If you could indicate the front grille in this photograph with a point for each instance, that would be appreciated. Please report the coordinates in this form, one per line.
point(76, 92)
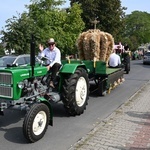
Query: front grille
point(6, 89)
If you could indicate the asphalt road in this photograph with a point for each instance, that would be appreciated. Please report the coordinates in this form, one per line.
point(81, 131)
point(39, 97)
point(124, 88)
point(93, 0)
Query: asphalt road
point(68, 130)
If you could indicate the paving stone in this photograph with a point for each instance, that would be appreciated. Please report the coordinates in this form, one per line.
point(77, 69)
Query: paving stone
point(127, 128)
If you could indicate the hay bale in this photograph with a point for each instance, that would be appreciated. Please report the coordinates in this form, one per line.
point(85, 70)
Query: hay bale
point(95, 45)
point(110, 44)
point(79, 44)
point(87, 46)
point(103, 46)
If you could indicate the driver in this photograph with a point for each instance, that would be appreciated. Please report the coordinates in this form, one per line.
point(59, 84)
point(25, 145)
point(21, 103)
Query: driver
point(54, 56)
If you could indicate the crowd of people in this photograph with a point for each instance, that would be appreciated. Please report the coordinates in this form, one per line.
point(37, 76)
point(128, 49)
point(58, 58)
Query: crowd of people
point(138, 54)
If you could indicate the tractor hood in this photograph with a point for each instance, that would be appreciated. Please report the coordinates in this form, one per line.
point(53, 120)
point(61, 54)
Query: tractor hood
point(24, 72)
point(11, 76)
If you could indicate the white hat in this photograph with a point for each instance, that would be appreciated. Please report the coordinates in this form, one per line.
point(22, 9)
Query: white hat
point(51, 40)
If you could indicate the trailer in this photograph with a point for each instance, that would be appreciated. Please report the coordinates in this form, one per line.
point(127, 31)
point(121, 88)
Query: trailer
point(105, 78)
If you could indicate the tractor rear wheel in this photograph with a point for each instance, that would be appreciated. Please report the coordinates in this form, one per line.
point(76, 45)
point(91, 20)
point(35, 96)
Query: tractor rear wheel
point(75, 92)
point(36, 122)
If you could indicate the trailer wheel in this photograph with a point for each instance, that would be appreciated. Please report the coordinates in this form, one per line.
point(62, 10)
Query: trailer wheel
point(36, 122)
point(75, 92)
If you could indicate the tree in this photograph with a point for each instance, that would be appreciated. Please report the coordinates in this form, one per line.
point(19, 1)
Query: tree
point(109, 13)
point(17, 35)
point(1, 49)
point(137, 29)
point(44, 20)
point(72, 27)
point(63, 25)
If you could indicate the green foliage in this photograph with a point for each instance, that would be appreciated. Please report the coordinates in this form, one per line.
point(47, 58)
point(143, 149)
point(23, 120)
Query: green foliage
point(137, 30)
point(17, 34)
point(72, 27)
point(44, 20)
point(1, 49)
point(109, 13)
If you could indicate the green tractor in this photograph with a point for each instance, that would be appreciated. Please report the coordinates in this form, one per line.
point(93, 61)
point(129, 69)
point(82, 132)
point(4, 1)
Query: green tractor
point(27, 88)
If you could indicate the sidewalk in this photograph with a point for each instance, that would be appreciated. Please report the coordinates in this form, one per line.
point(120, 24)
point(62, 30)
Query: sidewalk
point(127, 128)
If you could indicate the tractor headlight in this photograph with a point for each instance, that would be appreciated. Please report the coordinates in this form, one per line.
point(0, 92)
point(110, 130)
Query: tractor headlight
point(21, 85)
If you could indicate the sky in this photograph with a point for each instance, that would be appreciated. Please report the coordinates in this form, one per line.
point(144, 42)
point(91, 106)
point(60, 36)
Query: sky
point(10, 8)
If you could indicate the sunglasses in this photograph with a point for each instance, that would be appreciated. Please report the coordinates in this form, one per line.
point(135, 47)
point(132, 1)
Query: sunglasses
point(51, 44)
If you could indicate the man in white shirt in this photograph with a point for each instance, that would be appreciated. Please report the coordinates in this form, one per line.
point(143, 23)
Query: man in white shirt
point(54, 55)
point(114, 60)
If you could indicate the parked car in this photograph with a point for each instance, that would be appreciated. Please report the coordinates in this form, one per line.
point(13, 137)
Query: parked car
point(20, 60)
point(146, 58)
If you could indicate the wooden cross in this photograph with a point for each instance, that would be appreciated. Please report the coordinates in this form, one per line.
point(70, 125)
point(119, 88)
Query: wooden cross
point(95, 22)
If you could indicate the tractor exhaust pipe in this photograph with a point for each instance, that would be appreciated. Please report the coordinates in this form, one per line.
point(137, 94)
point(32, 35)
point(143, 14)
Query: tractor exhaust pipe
point(32, 54)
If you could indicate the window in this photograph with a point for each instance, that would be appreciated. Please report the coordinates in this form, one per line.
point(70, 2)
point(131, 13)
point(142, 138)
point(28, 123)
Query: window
point(21, 61)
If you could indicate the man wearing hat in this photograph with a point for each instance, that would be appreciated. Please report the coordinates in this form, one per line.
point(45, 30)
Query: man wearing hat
point(54, 55)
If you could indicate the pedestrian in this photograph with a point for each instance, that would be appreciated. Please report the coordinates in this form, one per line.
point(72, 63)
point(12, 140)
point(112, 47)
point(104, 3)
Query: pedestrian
point(54, 59)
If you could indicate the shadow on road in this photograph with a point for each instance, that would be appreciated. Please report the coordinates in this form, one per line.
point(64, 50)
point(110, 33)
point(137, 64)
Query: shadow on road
point(59, 110)
point(14, 135)
point(11, 117)
point(8, 126)
point(139, 114)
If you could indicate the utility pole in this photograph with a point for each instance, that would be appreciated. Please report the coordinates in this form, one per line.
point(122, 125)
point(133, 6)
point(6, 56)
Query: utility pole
point(95, 22)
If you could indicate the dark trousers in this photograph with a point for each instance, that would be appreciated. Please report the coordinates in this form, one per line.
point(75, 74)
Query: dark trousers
point(54, 69)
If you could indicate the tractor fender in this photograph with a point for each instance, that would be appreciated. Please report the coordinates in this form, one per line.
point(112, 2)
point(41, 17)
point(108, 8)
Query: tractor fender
point(71, 68)
point(43, 100)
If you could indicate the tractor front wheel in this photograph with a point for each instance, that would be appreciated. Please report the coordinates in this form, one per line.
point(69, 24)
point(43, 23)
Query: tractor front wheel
point(36, 122)
point(75, 92)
